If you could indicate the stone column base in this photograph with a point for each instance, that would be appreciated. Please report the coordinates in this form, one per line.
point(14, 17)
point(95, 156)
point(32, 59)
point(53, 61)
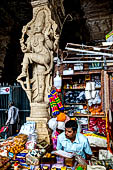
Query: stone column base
point(41, 128)
point(39, 110)
point(40, 115)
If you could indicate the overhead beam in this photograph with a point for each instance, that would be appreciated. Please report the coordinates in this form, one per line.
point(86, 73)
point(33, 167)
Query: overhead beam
point(91, 52)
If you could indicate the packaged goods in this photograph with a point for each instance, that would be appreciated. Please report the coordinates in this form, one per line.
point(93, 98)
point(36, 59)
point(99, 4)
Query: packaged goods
point(96, 140)
point(20, 160)
point(11, 155)
point(57, 166)
point(17, 145)
point(21, 155)
point(97, 125)
point(33, 167)
point(21, 138)
point(6, 166)
point(3, 152)
point(63, 168)
point(95, 167)
point(45, 166)
point(32, 160)
point(31, 144)
point(24, 165)
point(24, 151)
point(59, 159)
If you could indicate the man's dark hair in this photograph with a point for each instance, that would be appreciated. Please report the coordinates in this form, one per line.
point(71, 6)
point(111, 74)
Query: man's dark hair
point(71, 124)
point(11, 104)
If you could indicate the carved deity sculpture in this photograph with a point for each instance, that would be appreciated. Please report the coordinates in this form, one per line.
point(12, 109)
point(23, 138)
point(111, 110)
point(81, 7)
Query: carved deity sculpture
point(39, 41)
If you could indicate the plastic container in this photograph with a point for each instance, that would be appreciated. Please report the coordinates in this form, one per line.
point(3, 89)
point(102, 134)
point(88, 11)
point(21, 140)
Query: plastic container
point(58, 82)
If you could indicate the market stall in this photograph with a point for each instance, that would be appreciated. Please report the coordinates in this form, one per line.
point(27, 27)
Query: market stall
point(80, 93)
point(24, 151)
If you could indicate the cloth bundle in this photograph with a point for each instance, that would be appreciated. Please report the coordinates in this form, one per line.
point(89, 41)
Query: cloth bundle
point(55, 103)
point(4, 129)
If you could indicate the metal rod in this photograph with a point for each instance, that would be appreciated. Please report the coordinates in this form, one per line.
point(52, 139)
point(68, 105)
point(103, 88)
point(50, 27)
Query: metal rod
point(95, 61)
point(75, 58)
point(88, 54)
point(92, 52)
point(94, 47)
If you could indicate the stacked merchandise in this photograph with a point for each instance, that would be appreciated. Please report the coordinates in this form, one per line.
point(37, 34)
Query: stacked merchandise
point(4, 163)
point(21, 152)
point(104, 161)
point(96, 140)
point(17, 145)
point(38, 158)
point(98, 125)
point(4, 146)
point(82, 124)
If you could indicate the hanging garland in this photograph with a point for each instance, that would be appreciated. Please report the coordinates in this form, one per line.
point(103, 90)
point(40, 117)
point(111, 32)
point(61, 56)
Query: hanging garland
point(55, 103)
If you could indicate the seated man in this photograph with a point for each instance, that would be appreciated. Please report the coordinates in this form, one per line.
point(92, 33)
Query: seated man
point(72, 141)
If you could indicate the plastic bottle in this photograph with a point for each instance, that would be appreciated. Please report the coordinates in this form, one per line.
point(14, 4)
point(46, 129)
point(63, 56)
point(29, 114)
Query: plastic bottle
point(58, 82)
point(15, 166)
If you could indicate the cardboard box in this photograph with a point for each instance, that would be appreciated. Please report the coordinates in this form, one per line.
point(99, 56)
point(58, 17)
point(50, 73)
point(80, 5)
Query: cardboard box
point(45, 160)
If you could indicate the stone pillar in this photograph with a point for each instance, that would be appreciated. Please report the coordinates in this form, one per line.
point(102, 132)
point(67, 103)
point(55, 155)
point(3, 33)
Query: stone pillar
point(39, 48)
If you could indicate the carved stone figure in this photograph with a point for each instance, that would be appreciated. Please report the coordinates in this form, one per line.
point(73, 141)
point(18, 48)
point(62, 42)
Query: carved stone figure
point(39, 42)
point(37, 64)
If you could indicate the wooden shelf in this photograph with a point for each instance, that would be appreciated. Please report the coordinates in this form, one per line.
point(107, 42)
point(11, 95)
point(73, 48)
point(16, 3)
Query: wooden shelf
point(75, 89)
point(97, 88)
point(79, 87)
point(86, 115)
point(74, 104)
point(82, 72)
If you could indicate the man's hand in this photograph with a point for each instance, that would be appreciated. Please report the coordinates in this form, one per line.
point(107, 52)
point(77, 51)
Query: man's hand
point(88, 157)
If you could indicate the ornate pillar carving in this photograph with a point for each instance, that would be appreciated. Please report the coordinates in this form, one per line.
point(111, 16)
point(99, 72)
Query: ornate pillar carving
point(39, 42)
